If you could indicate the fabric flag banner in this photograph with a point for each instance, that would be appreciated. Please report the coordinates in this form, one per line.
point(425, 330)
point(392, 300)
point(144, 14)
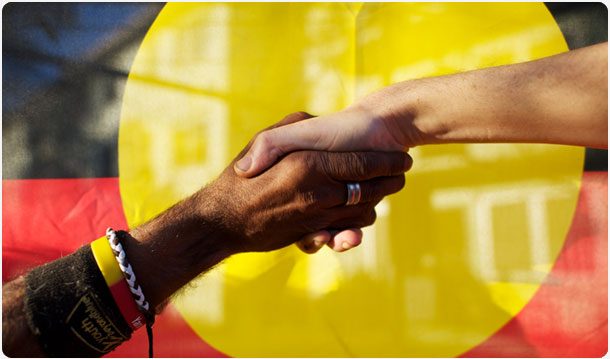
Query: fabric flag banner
point(114, 112)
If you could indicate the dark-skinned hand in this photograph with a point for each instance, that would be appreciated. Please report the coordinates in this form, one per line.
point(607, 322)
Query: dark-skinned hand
point(301, 195)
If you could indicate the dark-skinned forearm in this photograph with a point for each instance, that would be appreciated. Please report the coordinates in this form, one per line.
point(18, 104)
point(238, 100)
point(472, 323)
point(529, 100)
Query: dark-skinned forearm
point(165, 253)
point(174, 248)
point(301, 194)
point(17, 338)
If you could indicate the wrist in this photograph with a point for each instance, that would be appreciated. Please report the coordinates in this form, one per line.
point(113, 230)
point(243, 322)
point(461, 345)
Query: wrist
point(169, 251)
point(404, 109)
point(444, 109)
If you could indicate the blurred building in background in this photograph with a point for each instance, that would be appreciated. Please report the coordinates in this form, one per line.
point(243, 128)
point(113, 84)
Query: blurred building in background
point(64, 67)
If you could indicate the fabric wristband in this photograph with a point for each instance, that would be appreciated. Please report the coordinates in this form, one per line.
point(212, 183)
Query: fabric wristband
point(106, 261)
point(71, 310)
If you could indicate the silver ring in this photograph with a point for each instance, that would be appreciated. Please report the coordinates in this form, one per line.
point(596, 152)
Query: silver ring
point(353, 194)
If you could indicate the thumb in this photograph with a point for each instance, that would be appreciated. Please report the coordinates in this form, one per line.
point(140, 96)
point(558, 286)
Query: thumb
point(272, 144)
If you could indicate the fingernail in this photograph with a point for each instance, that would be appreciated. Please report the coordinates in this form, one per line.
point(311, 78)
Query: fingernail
point(244, 164)
point(346, 245)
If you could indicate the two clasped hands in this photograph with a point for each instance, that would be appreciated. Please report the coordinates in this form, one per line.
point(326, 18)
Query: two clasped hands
point(315, 181)
point(561, 99)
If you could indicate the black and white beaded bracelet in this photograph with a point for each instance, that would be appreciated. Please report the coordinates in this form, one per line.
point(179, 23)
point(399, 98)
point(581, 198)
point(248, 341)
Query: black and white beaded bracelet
point(134, 287)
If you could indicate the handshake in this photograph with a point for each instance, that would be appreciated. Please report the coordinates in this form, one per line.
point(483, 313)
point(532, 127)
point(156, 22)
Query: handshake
point(304, 180)
point(275, 193)
point(312, 198)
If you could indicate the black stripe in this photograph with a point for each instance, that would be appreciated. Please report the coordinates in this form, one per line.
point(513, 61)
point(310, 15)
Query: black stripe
point(49, 126)
point(56, 97)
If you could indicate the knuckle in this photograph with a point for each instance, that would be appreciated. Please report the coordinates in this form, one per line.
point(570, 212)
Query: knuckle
point(317, 198)
point(408, 161)
point(306, 246)
point(310, 199)
point(327, 162)
point(374, 189)
point(396, 163)
point(357, 163)
point(400, 182)
point(375, 164)
point(265, 143)
point(400, 163)
point(390, 164)
point(257, 135)
point(263, 139)
point(363, 165)
point(370, 217)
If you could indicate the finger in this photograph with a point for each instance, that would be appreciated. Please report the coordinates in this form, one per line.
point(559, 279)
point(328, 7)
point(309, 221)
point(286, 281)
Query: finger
point(311, 243)
point(366, 217)
point(370, 191)
point(289, 119)
point(269, 145)
point(361, 166)
point(375, 189)
point(346, 239)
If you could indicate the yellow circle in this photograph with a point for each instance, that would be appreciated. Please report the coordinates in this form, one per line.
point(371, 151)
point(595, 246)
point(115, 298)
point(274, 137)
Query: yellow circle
point(451, 258)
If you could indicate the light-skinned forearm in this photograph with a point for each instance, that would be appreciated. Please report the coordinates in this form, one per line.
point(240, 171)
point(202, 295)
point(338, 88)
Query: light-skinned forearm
point(560, 99)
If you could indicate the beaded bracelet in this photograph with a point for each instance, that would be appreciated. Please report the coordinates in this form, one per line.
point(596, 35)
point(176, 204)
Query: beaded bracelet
point(134, 287)
point(106, 262)
point(128, 273)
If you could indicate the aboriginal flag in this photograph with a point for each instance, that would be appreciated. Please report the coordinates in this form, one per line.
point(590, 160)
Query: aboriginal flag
point(113, 112)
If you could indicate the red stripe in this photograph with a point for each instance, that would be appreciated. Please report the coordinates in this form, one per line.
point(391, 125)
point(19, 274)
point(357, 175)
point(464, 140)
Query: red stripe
point(43, 220)
point(568, 316)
